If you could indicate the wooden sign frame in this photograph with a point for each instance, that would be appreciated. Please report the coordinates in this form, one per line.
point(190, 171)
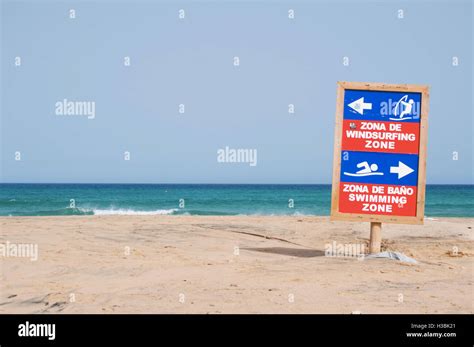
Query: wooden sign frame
point(420, 202)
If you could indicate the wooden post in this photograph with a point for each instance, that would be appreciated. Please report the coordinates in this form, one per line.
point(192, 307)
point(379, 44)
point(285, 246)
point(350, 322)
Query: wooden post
point(375, 237)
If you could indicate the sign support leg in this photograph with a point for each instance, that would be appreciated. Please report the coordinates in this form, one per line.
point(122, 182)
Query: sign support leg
point(375, 237)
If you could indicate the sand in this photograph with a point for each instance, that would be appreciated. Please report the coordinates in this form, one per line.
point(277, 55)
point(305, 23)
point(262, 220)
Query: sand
point(191, 264)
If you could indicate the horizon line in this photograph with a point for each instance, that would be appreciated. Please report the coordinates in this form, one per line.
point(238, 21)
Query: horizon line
point(255, 184)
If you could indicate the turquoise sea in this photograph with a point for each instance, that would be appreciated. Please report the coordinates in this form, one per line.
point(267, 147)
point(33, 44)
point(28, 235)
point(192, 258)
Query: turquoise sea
point(200, 199)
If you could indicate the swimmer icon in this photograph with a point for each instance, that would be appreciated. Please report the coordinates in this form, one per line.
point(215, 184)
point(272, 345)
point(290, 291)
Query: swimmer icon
point(365, 170)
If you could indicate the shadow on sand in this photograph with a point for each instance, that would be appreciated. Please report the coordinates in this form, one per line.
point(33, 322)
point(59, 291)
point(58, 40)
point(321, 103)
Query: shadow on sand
point(293, 252)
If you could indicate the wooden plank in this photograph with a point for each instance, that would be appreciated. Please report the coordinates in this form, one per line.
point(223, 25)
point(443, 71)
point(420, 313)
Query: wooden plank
point(336, 174)
point(420, 206)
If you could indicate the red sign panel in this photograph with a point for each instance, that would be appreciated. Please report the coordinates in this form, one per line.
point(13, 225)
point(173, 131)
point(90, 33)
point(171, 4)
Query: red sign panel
point(389, 137)
point(377, 199)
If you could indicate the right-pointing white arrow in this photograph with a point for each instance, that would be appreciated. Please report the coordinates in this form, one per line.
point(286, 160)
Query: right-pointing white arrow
point(402, 170)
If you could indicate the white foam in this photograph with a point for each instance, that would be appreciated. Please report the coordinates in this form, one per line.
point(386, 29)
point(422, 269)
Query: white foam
point(132, 212)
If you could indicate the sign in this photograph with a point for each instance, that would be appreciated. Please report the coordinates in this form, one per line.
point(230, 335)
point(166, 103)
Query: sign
point(379, 153)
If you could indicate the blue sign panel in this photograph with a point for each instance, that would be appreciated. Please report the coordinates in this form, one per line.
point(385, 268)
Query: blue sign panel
point(379, 168)
point(382, 106)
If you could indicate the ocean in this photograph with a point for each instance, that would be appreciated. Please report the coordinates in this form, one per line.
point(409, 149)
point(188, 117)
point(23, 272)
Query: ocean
point(200, 199)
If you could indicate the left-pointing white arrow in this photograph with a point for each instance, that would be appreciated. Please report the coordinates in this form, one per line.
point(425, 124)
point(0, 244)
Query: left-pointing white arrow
point(402, 170)
point(359, 105)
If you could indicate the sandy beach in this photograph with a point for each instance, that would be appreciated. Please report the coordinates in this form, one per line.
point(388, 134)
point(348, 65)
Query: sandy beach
point(191, 264)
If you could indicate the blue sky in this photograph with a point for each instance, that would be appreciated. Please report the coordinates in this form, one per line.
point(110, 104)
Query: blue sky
point(190, 61)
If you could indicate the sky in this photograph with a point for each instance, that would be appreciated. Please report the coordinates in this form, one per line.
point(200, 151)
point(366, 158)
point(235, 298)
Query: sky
point(190, 61)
